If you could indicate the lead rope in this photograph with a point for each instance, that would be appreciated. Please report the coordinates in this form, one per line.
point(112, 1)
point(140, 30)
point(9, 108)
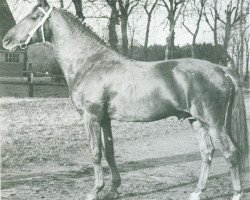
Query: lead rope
point(24, 45)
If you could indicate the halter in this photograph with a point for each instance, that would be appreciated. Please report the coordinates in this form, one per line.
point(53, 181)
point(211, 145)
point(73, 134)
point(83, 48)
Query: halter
point(40, 24)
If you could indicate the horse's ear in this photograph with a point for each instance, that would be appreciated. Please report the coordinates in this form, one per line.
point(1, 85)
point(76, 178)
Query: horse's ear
point(43, 3)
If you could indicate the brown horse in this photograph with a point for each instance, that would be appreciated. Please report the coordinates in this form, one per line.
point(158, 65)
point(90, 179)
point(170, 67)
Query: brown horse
point(106, 86)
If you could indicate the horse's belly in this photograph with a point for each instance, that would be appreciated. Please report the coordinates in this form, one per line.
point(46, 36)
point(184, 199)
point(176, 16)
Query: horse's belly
point(147, 108)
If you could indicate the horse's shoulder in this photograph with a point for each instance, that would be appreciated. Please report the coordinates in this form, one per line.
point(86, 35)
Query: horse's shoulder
point(103, 62)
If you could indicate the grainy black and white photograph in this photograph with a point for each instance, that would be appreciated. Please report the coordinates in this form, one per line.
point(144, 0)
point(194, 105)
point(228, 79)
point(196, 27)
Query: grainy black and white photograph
point(124, 99)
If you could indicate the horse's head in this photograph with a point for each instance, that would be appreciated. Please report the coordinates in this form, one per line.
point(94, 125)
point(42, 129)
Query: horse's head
point(32, 29)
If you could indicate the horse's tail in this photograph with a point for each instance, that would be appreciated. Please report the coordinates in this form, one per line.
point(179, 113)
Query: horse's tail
point(239, 132)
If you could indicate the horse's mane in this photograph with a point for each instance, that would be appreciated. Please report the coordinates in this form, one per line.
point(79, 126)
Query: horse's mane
point(83, 26)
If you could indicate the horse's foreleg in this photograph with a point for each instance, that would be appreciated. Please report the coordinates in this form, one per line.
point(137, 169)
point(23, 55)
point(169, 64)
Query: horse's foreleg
point(94, 131)
point(108, 147)
point(206, 150)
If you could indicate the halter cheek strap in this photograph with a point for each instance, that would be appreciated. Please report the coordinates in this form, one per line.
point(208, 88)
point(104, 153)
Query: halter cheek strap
point(40, 24)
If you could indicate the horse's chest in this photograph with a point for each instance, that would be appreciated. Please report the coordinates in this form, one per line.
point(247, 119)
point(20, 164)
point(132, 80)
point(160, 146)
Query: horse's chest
point(88, 99)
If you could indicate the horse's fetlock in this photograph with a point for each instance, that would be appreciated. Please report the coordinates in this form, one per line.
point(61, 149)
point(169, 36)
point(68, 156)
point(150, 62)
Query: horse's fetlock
point(208, 156)
point(237, 196)
point(117, 181)
point(100, 185)
point(96, 159)
point(91, 197)
point(195, 196)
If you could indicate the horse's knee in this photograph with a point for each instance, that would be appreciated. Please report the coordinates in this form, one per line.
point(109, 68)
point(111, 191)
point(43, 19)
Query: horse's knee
point(96, 158)
point(207, 155)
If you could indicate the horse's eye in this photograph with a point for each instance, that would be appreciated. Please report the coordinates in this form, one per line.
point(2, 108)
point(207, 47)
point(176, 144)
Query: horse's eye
point(33, 18)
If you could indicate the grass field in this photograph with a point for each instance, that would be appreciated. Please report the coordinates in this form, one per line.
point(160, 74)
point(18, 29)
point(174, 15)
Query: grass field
point(45, 155)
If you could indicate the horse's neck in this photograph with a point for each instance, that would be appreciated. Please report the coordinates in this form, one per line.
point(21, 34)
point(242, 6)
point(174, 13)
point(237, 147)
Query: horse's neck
point(72, 47)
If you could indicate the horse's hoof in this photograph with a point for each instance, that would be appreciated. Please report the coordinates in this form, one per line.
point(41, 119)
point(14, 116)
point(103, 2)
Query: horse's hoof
point(91, 197)
point(111, 195)
point(194, 196)
point(237, 196)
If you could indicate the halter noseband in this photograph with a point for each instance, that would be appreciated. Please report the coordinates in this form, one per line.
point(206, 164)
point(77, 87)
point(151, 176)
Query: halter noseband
point(40, 24)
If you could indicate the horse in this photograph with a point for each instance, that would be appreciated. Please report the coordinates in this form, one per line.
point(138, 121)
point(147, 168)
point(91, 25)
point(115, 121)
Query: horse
point(106, 86)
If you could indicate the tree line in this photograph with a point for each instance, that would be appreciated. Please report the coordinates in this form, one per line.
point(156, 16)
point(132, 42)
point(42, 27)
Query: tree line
point(226, 20)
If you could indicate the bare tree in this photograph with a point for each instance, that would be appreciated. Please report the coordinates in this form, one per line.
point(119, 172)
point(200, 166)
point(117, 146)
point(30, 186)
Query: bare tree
point(232, 15)
point(113, 21)
point(233, 21)
point(198, 8)
point(126, 7)
point(174, 9)
point(149, 12)
point(212, 10)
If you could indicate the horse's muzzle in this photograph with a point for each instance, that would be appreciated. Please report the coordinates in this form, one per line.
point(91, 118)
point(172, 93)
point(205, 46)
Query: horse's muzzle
point(6, 41)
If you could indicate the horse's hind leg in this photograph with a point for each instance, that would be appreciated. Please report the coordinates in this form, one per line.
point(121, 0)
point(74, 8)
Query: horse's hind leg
point(235, 176)
point(206, 150)
point(107, 141)
point(230, 153)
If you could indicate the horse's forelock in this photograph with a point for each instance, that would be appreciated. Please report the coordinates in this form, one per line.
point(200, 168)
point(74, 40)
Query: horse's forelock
point(43, 3)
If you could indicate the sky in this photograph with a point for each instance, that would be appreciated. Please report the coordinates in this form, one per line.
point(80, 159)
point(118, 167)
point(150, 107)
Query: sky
point(158, 30)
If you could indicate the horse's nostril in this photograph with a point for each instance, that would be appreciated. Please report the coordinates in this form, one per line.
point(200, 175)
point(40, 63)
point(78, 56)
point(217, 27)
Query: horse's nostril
point(6, 41)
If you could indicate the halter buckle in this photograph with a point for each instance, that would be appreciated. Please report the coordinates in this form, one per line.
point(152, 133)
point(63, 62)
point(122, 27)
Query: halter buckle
point(23, 46)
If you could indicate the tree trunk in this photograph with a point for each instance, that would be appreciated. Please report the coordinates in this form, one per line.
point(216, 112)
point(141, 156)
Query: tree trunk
point(132, 44)
point(145, 49)
point(171, 46)
point(247, 59)
point(215, 31)
point(197, 28)
point(124, 27)
point(61, 4)
point(169, 54)
point(241, 40)
point(78, 7)
point(113, 39)
point(226, 43)
point(193, 46)
point(149, 14)
point(238, 57)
